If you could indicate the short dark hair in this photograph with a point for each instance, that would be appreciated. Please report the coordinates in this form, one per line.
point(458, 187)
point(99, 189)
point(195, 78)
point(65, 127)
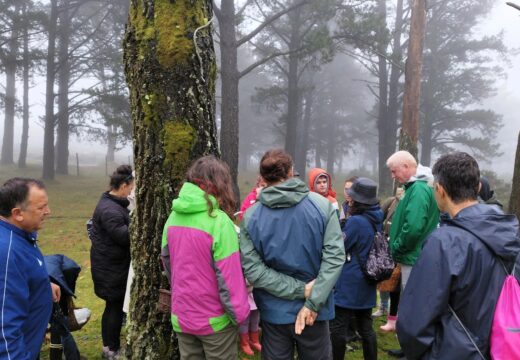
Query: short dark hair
point(15, 192)
point(275, 165)
point(122, 175)
point(459, 175)
point(358, 208)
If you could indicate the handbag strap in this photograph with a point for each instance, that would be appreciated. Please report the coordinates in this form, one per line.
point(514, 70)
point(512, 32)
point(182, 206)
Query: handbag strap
point(467, 332)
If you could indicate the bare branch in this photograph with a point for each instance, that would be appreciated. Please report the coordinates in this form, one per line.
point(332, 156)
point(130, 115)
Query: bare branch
point(268, 21)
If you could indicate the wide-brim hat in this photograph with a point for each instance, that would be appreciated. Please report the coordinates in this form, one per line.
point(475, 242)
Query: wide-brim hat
point(364, 191)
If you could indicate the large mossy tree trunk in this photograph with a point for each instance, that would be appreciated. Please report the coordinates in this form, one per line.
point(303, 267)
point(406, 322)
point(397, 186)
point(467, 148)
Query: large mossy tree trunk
point(170, 69)
point(514, 201)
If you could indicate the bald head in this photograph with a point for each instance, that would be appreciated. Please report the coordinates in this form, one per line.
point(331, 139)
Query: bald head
point(402, 166)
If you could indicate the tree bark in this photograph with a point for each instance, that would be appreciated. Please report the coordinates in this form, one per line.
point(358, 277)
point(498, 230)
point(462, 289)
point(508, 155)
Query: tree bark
point(514, 200)
point(413, 69)
point(22, 157)
point(10, 95)
point(170, 70)
point(293, 112)
point(229, 130)
point(48, 137)
point(62, 142)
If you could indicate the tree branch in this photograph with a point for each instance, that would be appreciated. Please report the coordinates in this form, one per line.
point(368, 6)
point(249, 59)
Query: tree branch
point(268, 21)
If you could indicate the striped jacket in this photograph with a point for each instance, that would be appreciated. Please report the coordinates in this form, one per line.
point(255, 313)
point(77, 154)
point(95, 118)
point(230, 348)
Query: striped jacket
point(208, 288)
point(25, 294)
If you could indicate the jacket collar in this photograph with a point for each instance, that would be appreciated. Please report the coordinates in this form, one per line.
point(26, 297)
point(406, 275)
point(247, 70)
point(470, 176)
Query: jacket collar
point(31, 237)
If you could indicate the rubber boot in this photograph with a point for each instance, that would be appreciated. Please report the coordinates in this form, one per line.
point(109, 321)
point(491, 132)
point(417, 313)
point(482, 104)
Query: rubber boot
point(254, 341)
point(244, 344)
point(390, 324)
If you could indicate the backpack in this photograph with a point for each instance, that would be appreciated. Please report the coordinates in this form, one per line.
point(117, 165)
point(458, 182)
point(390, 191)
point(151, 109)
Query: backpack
point(379, 264)
point(505, 328)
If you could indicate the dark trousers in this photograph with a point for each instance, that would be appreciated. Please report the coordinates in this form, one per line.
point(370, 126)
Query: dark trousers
point(394, 301)
point(278, 342)
point(338, 332)
point(111, 323)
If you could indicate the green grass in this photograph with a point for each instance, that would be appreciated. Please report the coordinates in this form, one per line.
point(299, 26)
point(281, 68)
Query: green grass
point(72, 200)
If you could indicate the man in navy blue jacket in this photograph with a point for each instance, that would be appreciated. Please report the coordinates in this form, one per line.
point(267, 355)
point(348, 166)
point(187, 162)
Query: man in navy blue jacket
point(461, 265)
point(25, 290)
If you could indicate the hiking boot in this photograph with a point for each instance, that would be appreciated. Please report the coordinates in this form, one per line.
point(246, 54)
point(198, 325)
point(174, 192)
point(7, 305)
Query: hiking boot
point(254, 341)
point(390, 324)
point(244, 344)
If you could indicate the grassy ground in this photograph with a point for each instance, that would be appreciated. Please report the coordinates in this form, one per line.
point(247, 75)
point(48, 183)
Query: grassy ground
point(72, 200)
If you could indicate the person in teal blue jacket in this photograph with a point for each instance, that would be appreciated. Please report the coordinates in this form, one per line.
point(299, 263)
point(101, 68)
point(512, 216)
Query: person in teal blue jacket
point(296, 234)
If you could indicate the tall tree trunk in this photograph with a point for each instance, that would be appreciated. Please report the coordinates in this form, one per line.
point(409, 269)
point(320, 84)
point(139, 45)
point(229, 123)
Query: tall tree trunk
point(48, 137)
point(390, 138)
point(10, 95)
point(300, 161)
point(293, 91)
point(514, 200)
point(111, 143)
point(62, 142)
point(331, 146)
point(229, 130)
point(412, 89)
point(171, 77)
point(22, 158)
point(382, 117)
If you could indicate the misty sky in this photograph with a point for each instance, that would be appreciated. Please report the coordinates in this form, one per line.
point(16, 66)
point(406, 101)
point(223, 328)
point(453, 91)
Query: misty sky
point(502, 17)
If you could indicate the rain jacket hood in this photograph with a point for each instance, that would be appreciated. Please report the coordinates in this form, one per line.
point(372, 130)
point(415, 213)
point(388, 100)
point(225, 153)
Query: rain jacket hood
point(497, 230)
point(284, 195)
point(314, 174)
point(192, 199)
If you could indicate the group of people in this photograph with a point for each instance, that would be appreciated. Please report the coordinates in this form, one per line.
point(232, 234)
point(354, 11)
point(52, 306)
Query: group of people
point(303, 255)
point(294, 266)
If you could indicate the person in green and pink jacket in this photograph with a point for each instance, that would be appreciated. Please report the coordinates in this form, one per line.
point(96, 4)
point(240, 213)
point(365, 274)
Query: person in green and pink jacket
point(201, 255)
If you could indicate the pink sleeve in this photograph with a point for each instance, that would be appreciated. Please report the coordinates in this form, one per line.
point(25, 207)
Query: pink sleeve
point(248, 201)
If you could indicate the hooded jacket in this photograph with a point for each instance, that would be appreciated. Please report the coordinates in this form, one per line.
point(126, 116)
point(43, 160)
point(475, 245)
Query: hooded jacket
point(460, 266)
point(110, 251)
point(415, 217)
point(314, 174)
point(208, 287)
point(296, 234)
point(353, 290)
point(25, 294)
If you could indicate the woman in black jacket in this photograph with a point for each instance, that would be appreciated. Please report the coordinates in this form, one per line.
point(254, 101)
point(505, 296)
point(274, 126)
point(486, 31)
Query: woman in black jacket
point(110, 255)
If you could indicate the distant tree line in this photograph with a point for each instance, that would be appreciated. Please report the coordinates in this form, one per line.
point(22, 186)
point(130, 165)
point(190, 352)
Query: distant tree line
point(322, 78)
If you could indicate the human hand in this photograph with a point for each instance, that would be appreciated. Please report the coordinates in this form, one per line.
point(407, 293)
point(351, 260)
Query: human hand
point(56, 292)
point(308, 288)
point(305, 317)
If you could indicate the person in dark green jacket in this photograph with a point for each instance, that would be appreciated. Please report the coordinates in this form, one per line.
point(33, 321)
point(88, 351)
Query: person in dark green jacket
point(416, 215)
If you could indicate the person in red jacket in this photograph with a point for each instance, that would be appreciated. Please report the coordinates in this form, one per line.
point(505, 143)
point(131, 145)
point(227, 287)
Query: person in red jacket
point(320, 182)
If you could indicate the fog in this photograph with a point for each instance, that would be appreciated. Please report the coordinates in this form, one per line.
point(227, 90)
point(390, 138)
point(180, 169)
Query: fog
point(356, 111)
